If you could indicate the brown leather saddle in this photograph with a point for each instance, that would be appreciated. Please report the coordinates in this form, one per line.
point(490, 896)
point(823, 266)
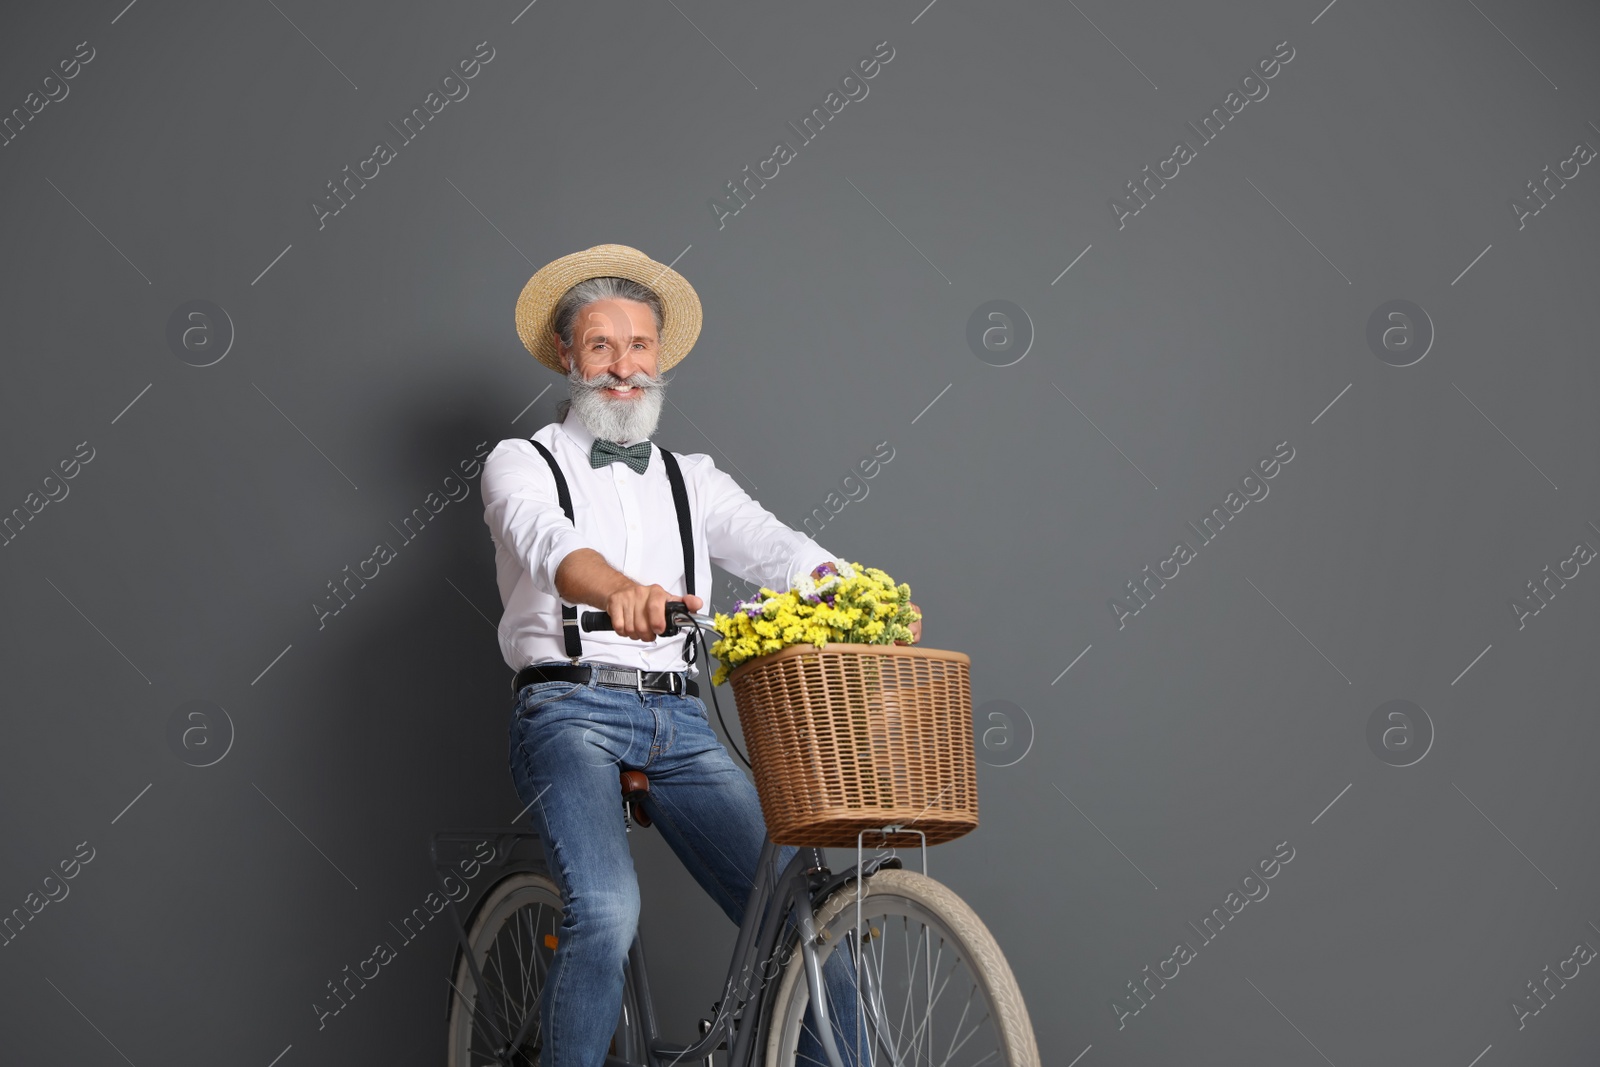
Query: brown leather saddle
point(635, 787)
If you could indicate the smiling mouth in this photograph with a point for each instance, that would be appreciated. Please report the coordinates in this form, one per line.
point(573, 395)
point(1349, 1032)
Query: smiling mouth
point(623, 391)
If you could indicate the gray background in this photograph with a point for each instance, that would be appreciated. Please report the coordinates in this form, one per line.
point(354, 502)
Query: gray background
point(1227, 316)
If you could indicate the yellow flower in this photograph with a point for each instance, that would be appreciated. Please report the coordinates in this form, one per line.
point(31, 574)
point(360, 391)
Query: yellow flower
point(868, 607)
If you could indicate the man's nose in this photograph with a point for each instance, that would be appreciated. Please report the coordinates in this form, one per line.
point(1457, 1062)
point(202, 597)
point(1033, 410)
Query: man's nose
point(626, 366)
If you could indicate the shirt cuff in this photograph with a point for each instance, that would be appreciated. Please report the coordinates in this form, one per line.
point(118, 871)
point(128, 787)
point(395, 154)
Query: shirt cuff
point(808, 554)
point(562, 544)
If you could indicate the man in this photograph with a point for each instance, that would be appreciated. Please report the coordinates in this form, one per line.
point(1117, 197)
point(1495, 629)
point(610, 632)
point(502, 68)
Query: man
point(613, 321)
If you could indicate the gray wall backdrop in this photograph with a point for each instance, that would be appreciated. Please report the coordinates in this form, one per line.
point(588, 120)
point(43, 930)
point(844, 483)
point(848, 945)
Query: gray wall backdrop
point(1381, 267)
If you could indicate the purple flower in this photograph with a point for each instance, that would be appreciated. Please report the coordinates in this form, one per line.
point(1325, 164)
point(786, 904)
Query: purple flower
point(824, 568)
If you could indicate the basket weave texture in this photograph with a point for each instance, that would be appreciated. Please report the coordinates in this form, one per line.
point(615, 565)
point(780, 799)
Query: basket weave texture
point(853, 737)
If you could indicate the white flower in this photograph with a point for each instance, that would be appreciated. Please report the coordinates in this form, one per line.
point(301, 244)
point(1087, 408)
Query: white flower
point(809, 588)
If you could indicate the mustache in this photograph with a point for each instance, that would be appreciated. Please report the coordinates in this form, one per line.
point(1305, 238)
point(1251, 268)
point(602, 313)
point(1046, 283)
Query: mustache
point(607, 380)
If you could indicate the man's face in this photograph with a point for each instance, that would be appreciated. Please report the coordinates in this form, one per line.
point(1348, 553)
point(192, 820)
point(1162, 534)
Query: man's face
point(611, 369)
point(616, 337)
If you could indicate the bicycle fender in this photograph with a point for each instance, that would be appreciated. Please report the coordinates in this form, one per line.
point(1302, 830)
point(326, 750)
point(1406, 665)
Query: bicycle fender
point(868, 869)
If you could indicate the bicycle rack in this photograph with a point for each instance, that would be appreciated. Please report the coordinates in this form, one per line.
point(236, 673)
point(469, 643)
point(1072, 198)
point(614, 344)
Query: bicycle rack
point(859, 949)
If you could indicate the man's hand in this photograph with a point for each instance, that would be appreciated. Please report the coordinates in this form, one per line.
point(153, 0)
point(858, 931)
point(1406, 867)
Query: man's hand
point(916, 627)
point(640, 611)
point(637, 611)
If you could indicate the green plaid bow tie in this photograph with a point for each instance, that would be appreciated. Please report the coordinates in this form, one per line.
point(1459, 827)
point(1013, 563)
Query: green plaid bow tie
point(636, 456)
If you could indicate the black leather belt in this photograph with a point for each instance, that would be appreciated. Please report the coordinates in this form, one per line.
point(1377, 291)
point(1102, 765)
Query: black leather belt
point(674, 682)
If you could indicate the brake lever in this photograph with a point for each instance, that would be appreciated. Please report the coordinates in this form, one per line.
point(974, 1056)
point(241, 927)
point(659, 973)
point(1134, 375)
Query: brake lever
point(676, 610)
point(679, 618)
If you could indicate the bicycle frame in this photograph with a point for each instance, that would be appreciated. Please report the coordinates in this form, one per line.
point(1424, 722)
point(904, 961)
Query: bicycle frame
point(774, 897)
point(778, 917)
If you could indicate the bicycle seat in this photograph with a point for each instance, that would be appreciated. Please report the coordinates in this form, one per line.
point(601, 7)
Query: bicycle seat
point(635, 787)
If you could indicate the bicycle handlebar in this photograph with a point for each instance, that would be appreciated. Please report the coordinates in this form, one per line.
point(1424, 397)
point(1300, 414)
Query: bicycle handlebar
point(678, 615)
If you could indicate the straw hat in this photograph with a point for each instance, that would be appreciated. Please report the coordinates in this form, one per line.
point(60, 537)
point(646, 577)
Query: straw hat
point(680, 304)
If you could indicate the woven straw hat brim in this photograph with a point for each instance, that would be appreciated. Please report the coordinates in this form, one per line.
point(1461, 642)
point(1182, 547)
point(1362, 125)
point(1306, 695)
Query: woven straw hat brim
point(680, 311)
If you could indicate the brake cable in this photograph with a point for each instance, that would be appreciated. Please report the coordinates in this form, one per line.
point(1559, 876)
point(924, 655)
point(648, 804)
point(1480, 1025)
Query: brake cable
point(690, 655)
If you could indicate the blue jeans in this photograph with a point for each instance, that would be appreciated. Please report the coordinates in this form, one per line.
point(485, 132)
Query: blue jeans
point(568, 742)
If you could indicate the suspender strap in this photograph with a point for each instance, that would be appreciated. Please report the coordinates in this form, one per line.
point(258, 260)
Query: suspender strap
point(569, 612)
point(680, 500)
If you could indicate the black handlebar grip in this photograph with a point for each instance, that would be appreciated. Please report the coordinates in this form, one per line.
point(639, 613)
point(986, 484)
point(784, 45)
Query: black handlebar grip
point(601, 620)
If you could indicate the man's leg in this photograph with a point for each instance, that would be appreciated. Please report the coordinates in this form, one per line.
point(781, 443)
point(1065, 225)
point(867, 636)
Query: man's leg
point(708, 812)
point(566, 743)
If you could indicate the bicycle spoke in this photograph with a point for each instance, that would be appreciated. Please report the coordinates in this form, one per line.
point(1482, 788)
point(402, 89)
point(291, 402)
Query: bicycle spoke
point(513, 993)
point(500, 983)
point(927, 979)
point(514, 961)
point(539, 973)
point(927, 1018)
point(881, 1026)
point(954, 1045)
point(500, 975)
point(525, 921)
point(911, 967)
point(859, 998)
point(927, 936)
point(468, 1003)
point(987, 1056)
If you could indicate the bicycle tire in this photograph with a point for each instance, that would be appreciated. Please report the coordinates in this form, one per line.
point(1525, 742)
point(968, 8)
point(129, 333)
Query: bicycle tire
point(902, 894)
point(515, 917)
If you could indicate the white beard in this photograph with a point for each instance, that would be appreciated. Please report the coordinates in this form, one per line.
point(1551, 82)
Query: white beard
point(610, 418)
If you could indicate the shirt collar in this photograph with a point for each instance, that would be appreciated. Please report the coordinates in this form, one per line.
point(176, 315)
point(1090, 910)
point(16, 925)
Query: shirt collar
point(579, 432)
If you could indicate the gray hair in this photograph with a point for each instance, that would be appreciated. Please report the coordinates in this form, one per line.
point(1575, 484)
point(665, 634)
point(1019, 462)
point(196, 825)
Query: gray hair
point(590, 290)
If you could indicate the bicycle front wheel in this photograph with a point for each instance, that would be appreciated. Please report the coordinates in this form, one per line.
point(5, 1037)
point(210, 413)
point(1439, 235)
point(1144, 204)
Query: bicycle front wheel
point(513, 937)
point(936, 990)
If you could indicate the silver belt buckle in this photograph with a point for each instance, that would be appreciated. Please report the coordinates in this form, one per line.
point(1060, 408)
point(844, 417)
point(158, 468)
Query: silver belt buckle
point(638, 681)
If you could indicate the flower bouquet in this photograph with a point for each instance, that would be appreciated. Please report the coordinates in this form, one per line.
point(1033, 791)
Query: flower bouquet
point(836, 602)
point(849, 734)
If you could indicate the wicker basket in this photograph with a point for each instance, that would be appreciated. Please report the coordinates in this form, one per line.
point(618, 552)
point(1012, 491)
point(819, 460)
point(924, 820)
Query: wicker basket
point(852, 737)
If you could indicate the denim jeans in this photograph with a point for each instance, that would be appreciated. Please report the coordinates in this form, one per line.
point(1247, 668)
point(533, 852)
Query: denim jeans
point(568, 742)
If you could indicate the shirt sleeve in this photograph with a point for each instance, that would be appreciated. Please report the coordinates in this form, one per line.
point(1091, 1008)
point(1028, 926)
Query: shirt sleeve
point(746, 539)
point(523, 512)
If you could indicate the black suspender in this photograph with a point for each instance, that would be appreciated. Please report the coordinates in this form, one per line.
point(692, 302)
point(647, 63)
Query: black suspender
point(680, 501)
point(569, 612)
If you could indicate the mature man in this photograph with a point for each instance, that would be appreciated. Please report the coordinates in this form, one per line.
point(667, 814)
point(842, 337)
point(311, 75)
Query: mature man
point(613, 321)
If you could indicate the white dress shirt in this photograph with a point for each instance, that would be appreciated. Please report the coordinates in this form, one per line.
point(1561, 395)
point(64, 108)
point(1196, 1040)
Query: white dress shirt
point(629, 518)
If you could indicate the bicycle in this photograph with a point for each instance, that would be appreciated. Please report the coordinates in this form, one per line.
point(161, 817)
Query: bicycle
point(944, 995)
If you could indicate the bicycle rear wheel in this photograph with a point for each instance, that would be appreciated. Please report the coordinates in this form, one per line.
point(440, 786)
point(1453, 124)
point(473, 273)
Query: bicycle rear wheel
point(935, 986)
point(513, 936)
